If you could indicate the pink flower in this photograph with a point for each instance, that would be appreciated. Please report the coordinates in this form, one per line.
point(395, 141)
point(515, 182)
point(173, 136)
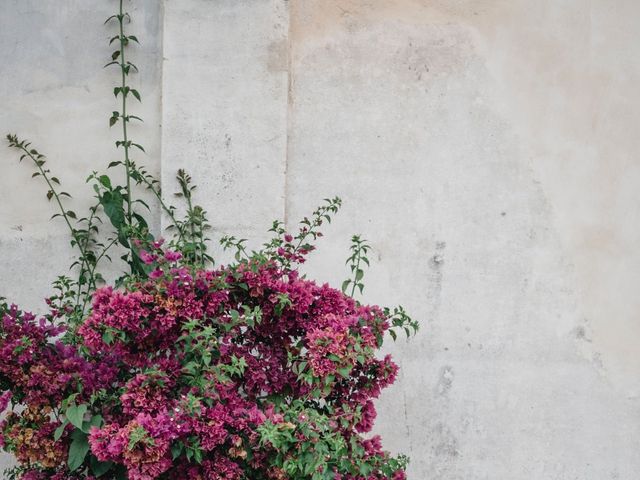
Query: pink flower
point(4, 400)
point(171, 256)
point(155, 274)
point(146, 257)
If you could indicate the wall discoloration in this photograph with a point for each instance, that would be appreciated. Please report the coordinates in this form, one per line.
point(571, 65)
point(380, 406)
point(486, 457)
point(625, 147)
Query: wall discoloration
point(413, 99)
point(501, 127)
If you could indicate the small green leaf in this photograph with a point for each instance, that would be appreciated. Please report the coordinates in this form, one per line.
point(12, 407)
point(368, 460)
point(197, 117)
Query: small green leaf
point(75, 414)
point(59, 431)
point(176, 450)
point(77, 450)
point(99, 468)
point(105, 181)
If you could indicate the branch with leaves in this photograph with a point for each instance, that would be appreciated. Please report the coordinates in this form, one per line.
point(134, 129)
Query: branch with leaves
point(359, 250)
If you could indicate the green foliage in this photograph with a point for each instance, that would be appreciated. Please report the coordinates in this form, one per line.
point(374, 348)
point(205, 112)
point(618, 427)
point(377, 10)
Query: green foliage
point(115, 229)
point(78, 449)
point(322, 449)
point(359, 250)
point(116, 205)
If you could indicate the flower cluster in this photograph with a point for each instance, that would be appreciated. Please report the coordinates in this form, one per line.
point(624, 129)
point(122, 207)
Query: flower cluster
point(239, 372)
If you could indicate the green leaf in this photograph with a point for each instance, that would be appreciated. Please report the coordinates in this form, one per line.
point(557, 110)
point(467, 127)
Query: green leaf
point(105, 181)
point(176, 450)
point(77, 450)
point(96, 421)
point(59, 431)
point(99, 468)
point(136, 94)
point(112, 204)
point(75, 414)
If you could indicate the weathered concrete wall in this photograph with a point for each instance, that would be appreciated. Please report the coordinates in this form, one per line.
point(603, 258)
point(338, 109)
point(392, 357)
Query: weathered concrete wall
point(487, 148)
point(55, 93)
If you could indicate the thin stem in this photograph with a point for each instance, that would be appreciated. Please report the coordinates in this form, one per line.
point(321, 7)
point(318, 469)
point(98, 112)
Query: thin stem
point(354, 283)
point(93, 269)
point(124, 113)
point(63, 212)
point(201, 237)
point(191, 216)
point(84, 259)
point(164, 206)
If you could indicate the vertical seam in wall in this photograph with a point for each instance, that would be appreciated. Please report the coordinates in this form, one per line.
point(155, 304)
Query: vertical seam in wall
point(161, 104)
point(289, 115)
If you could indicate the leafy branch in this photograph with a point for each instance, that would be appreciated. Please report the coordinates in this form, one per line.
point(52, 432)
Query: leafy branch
point(39, 161)
point(194, 225)
point(118, 58)
point(359, 250)
point(293, 249)
point(400, 320)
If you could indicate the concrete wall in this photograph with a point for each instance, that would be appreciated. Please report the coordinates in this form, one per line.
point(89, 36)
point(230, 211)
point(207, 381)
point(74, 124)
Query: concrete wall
point(487, 148)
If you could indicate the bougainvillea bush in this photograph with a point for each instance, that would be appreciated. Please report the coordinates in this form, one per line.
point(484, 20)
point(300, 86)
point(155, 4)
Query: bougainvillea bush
point(185, 369)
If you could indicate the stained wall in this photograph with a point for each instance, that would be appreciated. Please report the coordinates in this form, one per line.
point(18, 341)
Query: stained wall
point(487, 149)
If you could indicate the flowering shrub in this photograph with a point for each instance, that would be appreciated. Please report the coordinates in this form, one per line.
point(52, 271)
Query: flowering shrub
point(188, 370)
point(244, 371)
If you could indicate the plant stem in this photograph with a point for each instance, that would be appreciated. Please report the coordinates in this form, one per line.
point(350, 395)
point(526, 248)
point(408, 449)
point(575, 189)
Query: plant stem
point(124, 113)
point(63, 212)
point(163, 205)
point(355, 282)
point(84, 260)
point(93, 269)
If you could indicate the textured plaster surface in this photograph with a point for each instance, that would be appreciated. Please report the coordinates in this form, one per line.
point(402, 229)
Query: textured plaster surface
point(55, 93)
point(225, 110)
point(487, 149)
